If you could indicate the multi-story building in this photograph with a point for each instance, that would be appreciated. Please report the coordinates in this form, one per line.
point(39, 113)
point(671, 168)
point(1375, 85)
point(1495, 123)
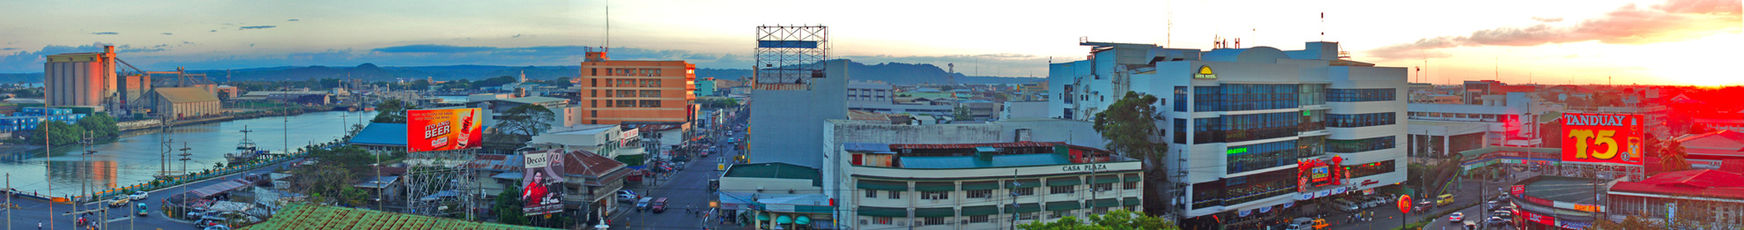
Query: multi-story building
point(972, 176)
point(787, 123)
point(80, 79)
point(879, 97)
point(705, 87)
point(1250, 130)
point(1440, 130)
point(616, 92)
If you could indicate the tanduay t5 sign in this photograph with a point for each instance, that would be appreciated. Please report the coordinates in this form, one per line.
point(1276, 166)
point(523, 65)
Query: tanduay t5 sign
point(1602, 138)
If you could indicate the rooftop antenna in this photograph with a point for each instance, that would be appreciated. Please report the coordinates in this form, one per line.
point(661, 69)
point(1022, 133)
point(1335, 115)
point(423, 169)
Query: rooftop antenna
point(1322, 25)
point(1498, 68)
point(608, 26)
point(1169, 38)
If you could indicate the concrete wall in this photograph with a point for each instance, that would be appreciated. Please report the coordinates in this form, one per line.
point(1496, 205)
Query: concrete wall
point(787, 125)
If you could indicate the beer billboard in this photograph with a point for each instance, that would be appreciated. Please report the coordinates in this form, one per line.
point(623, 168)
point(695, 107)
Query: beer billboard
point(1602, 138)
point(542, 187)
point(443, 129)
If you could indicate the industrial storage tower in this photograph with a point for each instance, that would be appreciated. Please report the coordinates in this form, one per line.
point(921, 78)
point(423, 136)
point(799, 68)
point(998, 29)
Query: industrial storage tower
point(788, 57)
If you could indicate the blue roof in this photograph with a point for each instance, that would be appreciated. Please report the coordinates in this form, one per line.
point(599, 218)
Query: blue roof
point(959, 162)
point(509, 176)
point(393, 134)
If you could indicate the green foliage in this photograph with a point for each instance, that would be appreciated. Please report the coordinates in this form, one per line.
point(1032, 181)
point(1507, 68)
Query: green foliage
point(1629, 222)
point(1671, 156)
point(391, 111)
point(525, 120)
point(100, 125)
point(421, 84)
point(508, 206)
point(561, 82)
point(718, 102)
point(27, 93)
point(1114, 219)
point(1128, 125)
point(60, 133)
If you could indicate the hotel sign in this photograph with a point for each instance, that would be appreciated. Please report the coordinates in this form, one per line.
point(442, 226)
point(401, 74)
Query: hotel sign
point(1204, 72)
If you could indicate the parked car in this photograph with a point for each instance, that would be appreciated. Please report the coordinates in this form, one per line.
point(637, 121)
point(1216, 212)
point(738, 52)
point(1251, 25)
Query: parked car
point(1456, 217)
point(1444, 199)
point(140, 195)
point(1496, 221)
point(119, 202)
point(1501, 214)
point(1301, 223)
point(659, 205)
point(627, 196)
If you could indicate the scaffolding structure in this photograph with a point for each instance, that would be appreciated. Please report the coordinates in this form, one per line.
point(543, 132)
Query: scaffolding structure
point(438, 183)
point(789, 56)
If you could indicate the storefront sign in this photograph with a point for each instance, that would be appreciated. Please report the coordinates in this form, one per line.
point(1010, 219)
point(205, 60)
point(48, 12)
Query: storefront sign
point(1539, 218)
point(1084, 167)
point(1204, 73)
point(1602, 138)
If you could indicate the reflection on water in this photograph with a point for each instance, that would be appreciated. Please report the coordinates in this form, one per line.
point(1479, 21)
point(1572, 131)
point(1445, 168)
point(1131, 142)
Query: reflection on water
point(136, 156)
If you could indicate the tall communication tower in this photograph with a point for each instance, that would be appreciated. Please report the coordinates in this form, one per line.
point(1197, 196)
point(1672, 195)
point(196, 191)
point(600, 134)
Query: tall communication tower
point(789, 56)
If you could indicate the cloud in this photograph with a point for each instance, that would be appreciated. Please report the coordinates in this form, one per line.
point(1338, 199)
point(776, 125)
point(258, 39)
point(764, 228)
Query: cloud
point(516, 36)
point(1546, 20)
point(213, 31)
point(8, 49)
point(256, 27)
point(105, 33)
point(31, 61)
point(1674, 20)
point(293, 20)
point(433, 49)
point(168, 33)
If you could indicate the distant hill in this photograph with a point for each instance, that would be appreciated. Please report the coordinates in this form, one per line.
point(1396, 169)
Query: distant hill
point(894, 73)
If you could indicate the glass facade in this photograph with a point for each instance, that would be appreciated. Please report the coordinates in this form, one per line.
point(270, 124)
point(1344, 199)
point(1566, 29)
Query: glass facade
point(1240, 97)
point(1359, 145)
point(1312, 120)
point(1259, 186)
point(1180, 98)
point(1313, 146)
point(1260, 156)
point(1369, 169)
point(1360, 120)
point(1357, 95)
point(1312, 94)
point(1245, 127)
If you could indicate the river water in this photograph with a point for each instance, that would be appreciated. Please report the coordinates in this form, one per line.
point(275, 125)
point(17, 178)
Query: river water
point(134, 158)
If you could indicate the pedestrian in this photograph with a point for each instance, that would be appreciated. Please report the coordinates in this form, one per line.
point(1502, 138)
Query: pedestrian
point(38, 225)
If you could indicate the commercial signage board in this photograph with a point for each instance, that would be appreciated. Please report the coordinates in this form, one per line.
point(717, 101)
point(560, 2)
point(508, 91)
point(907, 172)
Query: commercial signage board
point(542, 188)
point(1602, 138)
point(1314, 173)
point(443, 129)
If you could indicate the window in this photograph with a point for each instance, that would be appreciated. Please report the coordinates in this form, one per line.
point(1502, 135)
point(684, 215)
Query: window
point(1180, 131)
point(1359, 95)
point(1098, 210)
point(881, 220)
point(595, 72)
point(1312, 94)
point(978, 193)
point(1245, 127)
point(1313, 146)
point(1260, 156)
point(650, 93)
point(978, 219)
point(895, 194)
point(1312, 120)
point(934, 220)
point(595, 113)
point(1259, 186)
point(1129, 185)
point(650, 103)
point(1360, 120)
point(626, 103)
point(1207, 194)
point(1023, 191)
point(594, 82)
point(1359, 145)
point(594, 93)
point(1060, 189)
point(935, 195)
point(1180, 98)
point(1026, 216)
point(1059, 214)
point(871, 193)
point(1239, 97)
point(1102, 187)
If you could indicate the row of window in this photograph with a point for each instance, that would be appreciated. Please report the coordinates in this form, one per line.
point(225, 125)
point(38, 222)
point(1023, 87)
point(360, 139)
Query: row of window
point(624, 72)
point(1361, 120)
point(1260, 156)
point(1245, 127)
point(1239, 97)
point(1022, 216)
point(626, 93)
point(1356, 95)
point(1370, 169)
point(1359, 145)
point(624, 104)
point(1243, 189)
point(988, 193)
point(648, 83)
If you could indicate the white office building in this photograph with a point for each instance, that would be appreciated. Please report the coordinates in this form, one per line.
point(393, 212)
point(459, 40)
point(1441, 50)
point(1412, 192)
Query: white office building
point(1251, 131)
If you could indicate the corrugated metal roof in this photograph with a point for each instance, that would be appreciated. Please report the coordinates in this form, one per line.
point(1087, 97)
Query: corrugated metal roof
point(959, 162)
point(185, 94)
point(389, 134)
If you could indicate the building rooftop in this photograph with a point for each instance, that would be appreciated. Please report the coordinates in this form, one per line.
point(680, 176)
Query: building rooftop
point(775, 170)
point(580, 162)
point(960, 162)
point(1564, 189)
point(389, 134)
point(1717, 143)
point(1699, 182)
point(186, 94)
point(310, 216)
point(584, 129)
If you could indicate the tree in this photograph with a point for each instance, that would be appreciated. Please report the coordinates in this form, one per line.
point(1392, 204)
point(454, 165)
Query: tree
point(1128, 125)
point(508, 206)
point(391, 111)
point(561, 82)
point(60, 133)
point(1629, 222)
point(1114, 219)
point(421, 84)
point(526, 120)
point(1671, 156)
point(100, 125)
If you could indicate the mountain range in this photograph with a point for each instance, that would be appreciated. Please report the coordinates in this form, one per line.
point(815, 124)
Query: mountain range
point(893, 73)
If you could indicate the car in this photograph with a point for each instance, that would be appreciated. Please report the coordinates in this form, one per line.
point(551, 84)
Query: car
point(1501, 214)
point(1444, 199)
point(1496, 221)
point(1301, 223)
point(643, 203)
point(143, 211)
point(659, 205)
point(1491, 204)
point(119, 201)
point(627, 196)
point(140, 195)
point(1471, 225)
point(1456, 217)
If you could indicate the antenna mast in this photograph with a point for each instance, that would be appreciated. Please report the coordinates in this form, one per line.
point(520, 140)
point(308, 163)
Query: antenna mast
point(608, 25)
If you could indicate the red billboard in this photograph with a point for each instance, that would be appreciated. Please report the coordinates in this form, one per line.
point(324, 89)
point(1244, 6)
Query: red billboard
point(443, 129)
point(1602, 138)
point(1313, 173)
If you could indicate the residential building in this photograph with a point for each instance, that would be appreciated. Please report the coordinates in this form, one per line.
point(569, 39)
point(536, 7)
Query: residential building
point(591, 182)
point(706, 88)
point(1691, 199)
point(1243, 124)
point(181, 102)
point(787, 123)
point(381, 138)
point(616, 92)
point(878, 97)
point(1023, 110)
point(961, 176)
point(80, 79)
point(612, 141)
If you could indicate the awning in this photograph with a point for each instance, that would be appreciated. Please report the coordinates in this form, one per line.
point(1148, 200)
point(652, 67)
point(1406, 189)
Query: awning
point(980, 185)
point(1063, 205)
point(934, 212)
point(762, 217)
point(882, 185)
point(1131, 201)
point(1021, 208)
point(980, 210)
point(1064, 181)
point(1106, 179)
point(884, 212)
point(1104, 203)
point(1133, 178)
point(802, 220)
point(783, 220)
point(935, 186)
point(1028, 183)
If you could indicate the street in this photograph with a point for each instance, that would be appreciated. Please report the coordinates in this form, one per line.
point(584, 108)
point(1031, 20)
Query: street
point(1468, 192)
point(686, 191)
point(31, 211)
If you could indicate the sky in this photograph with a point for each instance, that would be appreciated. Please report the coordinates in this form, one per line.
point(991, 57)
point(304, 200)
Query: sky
point(1684, 42)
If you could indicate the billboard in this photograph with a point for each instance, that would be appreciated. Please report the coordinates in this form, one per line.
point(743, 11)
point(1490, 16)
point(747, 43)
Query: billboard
point(542, 183)
point(1314, 173)
point(443, 129)
point(1602, 138)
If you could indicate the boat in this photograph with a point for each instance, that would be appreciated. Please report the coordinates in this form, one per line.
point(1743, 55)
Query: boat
point(245, 151)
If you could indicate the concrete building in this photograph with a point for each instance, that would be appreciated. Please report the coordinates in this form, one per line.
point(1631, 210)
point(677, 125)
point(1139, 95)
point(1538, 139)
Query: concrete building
point(706, 88)
point(181, 102)
point(1023, 110)
point(80, 79)
point(878, 97)
point(611, 141)
point(774, 194)
point(1243, 124)
point(616, 92)
point(962, 176)
point(1439, 130)
point(787, 122)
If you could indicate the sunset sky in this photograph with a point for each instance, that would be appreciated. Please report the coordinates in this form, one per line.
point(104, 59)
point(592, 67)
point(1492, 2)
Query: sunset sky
point(1551, 42)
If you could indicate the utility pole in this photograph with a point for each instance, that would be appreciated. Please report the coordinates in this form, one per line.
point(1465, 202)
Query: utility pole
point(9, 192)
point(47, 148)
point(185, 173)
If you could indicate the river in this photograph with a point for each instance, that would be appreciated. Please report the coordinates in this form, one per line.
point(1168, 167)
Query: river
point(134, 158)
